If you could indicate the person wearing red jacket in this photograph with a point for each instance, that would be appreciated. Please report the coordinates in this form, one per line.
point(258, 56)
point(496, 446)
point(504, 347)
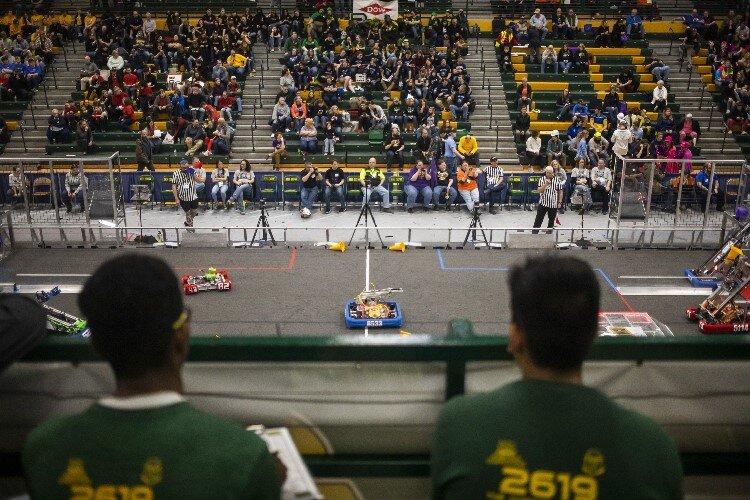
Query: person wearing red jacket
point(128, 115)
point(130, 81)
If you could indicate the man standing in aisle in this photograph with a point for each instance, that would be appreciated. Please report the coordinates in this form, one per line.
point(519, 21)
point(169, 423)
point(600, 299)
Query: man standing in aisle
point(310, 178)
point(548, 187)
point(547, 435)
point(185, 194)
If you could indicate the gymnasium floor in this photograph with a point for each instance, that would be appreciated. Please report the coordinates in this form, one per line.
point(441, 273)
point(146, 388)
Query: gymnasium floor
point(283, 291)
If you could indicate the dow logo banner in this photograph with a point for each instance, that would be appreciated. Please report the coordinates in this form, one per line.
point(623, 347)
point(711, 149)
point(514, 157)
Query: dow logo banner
point(373, 9)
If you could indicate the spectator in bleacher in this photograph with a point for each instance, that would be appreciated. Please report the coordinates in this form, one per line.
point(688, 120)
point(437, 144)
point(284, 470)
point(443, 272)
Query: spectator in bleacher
point(196, 103)
point(280, 116)
point(451, 153)
point(572, 20)
point(539, 22)
point(523, 94)
point(563, 105)
point(659, 69)
point(634, 23)
point(597, 149)
point(601, 183)
point(299, 112)
point(581, 60)
point(373, 181)
point(127, 115)
point(244, 184)
point(194, 137)
point(556, 149)
point(521, 125)
point(308, 137)
point(660, 95)
point(87, 71)
point(116, 63)
point(394, 148)
point(689, 129)
point(219, 72)
point(140, 326)
point(598, 122)
point(57, 128)
point(534, 149)
point(330, 140)
point(580, 112)
point(43, 46)
point(419, 181)
point(73, 188)
point(737, 119)
point(627, 81)
point(612, 104)
point(466, 178)
point(15, 187)
point(559, 24)
point(443, 189)
point(335, 178)
point(130, 83)
point(469, 148)
point(279, 150)
point(602, 34)
point(704, 191)
point(84, 137)
point(666, 123)
point(459, 106)
point(496, 187)
point(549, 59)
point(378, 117)
point(505, 59)
point(619, 33)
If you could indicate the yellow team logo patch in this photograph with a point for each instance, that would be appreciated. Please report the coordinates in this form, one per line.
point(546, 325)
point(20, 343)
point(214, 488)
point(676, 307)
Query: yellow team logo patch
point(593, 463)
point(152, 471)
point(506, 454)
point(75, 473)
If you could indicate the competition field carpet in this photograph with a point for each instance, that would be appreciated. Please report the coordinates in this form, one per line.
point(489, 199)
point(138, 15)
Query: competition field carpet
point(289, 291)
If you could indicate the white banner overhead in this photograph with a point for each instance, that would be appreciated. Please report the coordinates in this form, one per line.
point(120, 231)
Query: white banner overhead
point(376, 9)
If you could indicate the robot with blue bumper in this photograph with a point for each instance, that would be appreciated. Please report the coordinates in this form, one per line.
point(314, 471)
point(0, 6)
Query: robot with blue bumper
point(370, 309)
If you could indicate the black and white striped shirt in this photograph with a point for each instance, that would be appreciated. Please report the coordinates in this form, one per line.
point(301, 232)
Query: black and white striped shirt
point(493, 174)
point(185, 185)
point(549, 197)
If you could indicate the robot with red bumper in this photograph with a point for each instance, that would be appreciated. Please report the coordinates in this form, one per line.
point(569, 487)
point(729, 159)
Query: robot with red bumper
point(727, 309)
point(713, 271)
point(210, 280)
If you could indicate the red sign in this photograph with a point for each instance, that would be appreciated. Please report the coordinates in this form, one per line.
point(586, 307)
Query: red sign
point(375, 9)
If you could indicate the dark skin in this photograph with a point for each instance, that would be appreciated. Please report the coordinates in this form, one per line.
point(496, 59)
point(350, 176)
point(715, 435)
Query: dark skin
point(167, 377)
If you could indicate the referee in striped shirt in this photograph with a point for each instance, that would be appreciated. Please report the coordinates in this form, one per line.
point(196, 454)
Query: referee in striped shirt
point(548, 187)
point(183, 189)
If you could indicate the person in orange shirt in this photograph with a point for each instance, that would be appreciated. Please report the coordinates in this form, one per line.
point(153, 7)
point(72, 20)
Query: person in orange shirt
point(467, 185)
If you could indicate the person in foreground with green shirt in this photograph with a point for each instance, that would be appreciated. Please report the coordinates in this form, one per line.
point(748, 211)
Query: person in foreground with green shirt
point(145, 441)
point(547, 435)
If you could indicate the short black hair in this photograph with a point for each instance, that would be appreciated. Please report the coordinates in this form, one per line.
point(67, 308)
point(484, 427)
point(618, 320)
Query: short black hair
point(555, 304)
point(130, 303)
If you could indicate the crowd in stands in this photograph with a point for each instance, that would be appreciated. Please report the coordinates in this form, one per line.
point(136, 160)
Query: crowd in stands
point(599, 129)
point(727, 42)
point(28, 41)
point(330, 78)
point(123, 78)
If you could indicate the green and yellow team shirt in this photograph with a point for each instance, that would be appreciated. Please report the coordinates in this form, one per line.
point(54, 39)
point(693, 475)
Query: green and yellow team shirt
point(170, 452)
point(544, 440)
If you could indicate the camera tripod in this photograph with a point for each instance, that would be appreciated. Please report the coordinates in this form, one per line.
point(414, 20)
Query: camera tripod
point(476, 221)
point(263, 225)
point(366, 212)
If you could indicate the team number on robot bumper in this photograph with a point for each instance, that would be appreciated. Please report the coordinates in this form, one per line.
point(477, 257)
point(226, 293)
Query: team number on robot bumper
point(222, 286)
point(374, 322)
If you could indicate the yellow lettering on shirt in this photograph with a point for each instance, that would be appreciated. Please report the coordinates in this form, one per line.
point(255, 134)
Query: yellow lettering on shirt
point(112, 492)
point(544, 484)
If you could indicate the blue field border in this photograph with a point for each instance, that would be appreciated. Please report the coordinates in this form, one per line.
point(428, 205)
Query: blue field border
point(441, 262)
